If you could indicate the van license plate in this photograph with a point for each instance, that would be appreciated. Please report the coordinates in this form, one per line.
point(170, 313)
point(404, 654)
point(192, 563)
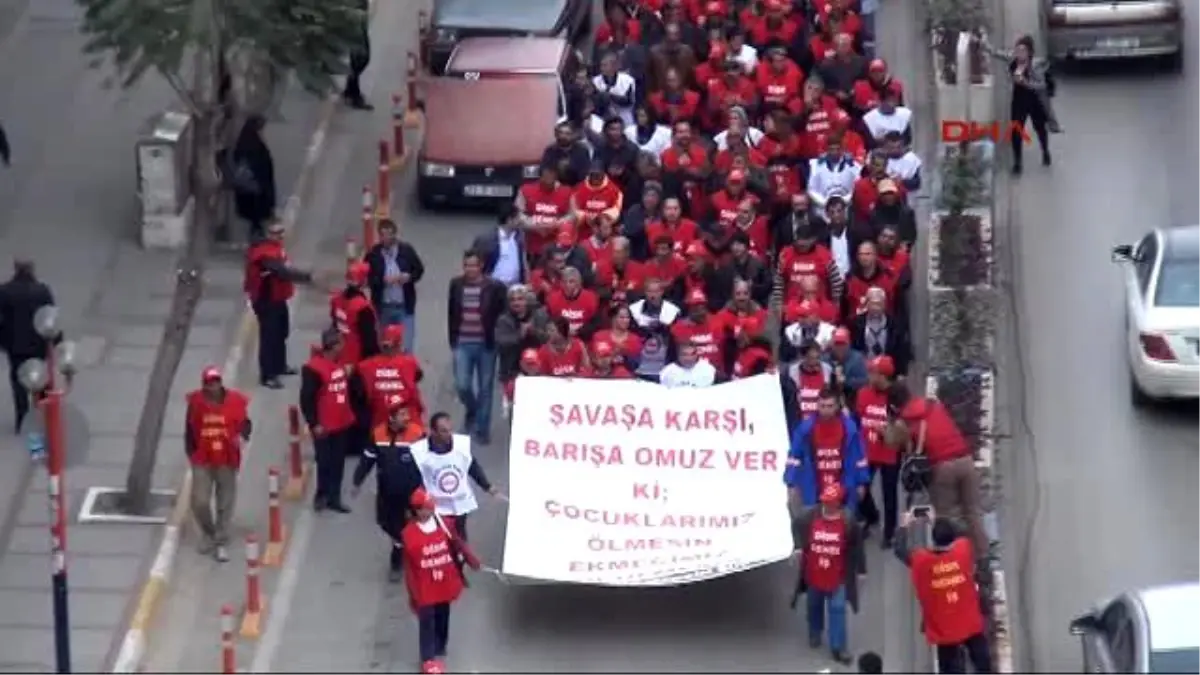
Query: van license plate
point(488, 190)
point(1118, 43)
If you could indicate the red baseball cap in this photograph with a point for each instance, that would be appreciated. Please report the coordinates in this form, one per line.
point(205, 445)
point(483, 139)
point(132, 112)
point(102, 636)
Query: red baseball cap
point(697, 297)
point(210, 374)
point(530, 356)
point(421, 499)
point(602, 348)
point(696, 249)
point(841, 336)
point(357, 272)
point(393, 334)
point(884, 365)
point(833, 494)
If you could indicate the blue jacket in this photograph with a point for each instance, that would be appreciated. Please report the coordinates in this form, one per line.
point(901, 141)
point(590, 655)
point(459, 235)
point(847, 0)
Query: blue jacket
point(801, 467)
point(854, 369)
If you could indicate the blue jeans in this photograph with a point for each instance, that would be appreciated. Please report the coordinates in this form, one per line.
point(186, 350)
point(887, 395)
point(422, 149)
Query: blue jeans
point(474, 378)
point(836, 602)
point(433, 631)
point(392, 315)
point(868, 37)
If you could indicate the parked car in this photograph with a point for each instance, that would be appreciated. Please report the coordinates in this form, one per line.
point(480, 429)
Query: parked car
point(1079, 30)
point(454, 20)
point(1162, 318)
point(490, 117)
point(1156, 630)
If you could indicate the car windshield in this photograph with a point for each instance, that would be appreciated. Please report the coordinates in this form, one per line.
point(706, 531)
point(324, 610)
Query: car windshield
point(1178, 284)
point(1175, 660)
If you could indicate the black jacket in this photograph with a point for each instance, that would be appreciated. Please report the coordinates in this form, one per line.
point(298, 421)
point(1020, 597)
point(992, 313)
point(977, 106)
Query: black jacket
point(408, 260)
point(762, 282)
point(573, 161)
point(897, 345)
point(625, 155)
point(254, 202)
point(633, 224)
point(487, 245)
point(900, 216)
point(493, 300)
point(784, 229)
point(20, 298)
point(716, 288)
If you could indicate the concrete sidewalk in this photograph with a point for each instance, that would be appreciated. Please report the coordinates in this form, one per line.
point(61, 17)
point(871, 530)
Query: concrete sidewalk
point(69, 202)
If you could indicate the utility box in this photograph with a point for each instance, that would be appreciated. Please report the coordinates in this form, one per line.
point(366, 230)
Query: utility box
point(164, 158)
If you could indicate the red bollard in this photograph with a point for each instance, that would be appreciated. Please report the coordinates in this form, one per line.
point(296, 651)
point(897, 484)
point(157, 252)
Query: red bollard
point(228, 647)
point(383, 191)
point(412, 116)
point(351, 251)
point(276, 531)
point(368, 217)
point(399, 114)
point(297, 469)
point(252, 615)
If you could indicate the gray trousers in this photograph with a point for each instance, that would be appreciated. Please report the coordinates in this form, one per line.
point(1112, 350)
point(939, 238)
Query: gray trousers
point(214, 494)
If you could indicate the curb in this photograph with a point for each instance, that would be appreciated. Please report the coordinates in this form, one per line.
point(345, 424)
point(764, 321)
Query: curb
point(133, 645)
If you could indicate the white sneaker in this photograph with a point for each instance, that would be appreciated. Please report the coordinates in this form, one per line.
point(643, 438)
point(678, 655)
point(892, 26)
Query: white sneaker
point(506, 407)
point(222, 554)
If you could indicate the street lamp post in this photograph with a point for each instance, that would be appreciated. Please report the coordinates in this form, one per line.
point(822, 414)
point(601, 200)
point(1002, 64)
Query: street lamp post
point(43, 378)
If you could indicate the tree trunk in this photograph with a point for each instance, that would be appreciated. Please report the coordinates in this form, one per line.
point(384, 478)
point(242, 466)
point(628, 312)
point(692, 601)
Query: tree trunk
point(189, 290)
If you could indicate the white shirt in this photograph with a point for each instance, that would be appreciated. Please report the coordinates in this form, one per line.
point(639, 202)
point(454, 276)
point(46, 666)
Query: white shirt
point(827, 177)
point(794, 334)
point(623, 85)
point(701, 374)
point(659, 141)
point(508, 258)
point(754, 136)
point(880, 124)
point(839, 246)
point(904, 167)
point(595, 124)
point(748, 57)
point(447, 475)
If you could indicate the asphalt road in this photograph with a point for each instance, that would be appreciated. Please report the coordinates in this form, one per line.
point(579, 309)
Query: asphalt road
point(329, 609)
point(1102, 497)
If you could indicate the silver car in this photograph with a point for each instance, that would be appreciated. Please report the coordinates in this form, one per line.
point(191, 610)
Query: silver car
point(1078, 30)
point(1156, 630)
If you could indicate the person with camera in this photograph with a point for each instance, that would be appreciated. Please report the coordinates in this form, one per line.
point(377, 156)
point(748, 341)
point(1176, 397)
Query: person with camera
point(830, 555)
point(940, 461)
point(943, 577)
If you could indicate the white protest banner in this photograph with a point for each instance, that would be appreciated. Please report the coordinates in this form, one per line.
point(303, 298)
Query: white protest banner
point(627, 483)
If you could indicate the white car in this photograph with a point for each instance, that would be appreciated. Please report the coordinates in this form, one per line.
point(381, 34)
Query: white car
point(1162, 318)
point(1156, 630)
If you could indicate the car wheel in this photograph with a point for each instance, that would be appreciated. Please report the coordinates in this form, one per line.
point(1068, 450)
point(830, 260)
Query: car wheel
point(1138, 397)
point(427, 199)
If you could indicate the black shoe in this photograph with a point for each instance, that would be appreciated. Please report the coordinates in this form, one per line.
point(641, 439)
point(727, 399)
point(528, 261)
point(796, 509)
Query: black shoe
point(272, 383)
point(1046, 159)
point(483, 438)
point(339, 507)
point(468, 422)
point(814, 641)
point(290, 371)
point(842, 657)
point(357, 103)
point(1016, 170)
point(319, 504)
point(885, 543)
point(395, 575)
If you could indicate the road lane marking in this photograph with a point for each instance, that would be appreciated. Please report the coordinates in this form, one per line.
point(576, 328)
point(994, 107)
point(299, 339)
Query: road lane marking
point(285, 591)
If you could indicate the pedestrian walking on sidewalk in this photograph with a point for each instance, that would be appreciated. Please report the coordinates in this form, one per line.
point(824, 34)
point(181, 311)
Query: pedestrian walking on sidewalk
point(360, 58)
point(20, 298)
point(270, 282)
point(218, 420)
point(433, 577)
point(253, 177)
point(396, 269)
point(325, 404)
point(5, 151)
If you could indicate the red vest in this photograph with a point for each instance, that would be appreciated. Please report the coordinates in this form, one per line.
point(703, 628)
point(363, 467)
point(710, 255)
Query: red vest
point(567, 363)
point(544, 207)
point(725, 206)
point(795, 265)
point(828, 437)
point(709, 338)
point(592, 200)
point(871, 405)
point(857, 287)
point(216, 428)
point(345, 313)
point(430, 571)
point(825, 557)
point(258, 283)
point(391, 379)
point(333, 401)
point(578, 311)
point(945, 586)
point(808, 390)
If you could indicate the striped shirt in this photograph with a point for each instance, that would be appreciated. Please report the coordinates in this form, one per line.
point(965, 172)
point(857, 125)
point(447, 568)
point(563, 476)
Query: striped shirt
point(471, 328)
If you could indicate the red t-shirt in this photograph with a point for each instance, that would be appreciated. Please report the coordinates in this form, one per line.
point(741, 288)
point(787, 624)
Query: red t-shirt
point(945, 587)
point(825, 557)
point(708, 336)
point(578, 311)
point(569, 362)
point(808, 390)
point(871, 405)
point(430, 571)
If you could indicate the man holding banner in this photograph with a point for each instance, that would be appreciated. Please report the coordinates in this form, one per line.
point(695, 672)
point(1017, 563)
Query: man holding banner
point(446, 463)
point(827, 449)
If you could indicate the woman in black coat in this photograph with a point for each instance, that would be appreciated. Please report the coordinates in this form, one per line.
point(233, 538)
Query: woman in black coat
point(253, 176)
